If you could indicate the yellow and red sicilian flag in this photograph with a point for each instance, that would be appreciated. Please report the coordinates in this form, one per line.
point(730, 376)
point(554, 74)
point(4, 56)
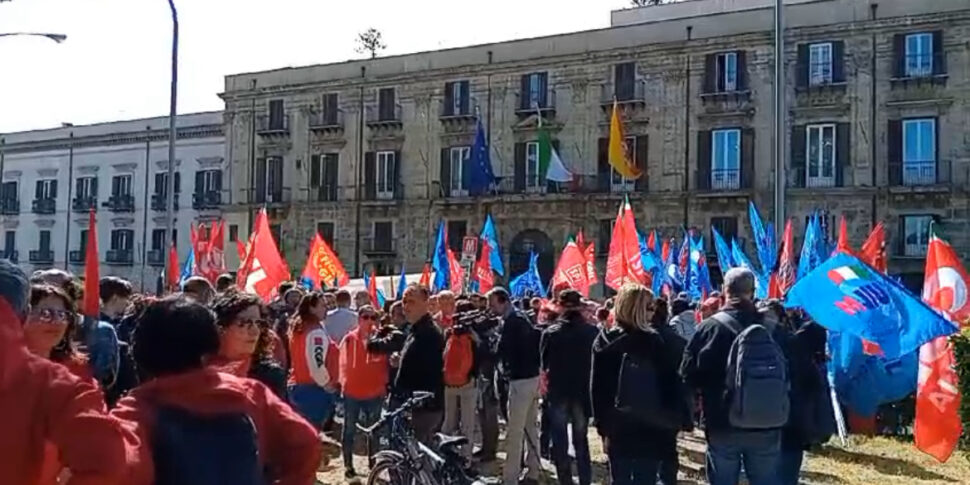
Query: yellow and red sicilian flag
point(571, 270)
point(323, 266)
point(264, 269)
point(624, 263)
point(937, 426)
point(173, 272)
point(91, 306)
point(456, 274)
point(619, 155)
point(873, 251)
point(483, 268)
point(425, 280)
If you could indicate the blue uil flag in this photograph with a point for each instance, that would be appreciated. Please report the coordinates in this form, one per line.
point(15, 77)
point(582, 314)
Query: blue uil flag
point(844, 294)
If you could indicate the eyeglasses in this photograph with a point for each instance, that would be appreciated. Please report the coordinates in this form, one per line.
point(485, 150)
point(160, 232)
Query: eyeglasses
point(48, 315)
point(249, 323)
point(370, 318)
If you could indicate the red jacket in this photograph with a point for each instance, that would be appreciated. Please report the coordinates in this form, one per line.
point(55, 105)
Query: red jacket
point(314, 357)
point(42, 402)
point(363, 374)
point(288, 445)
point(52, 468)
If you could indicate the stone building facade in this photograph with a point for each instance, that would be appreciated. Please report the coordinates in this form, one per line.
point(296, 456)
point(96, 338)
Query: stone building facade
point(366, 152)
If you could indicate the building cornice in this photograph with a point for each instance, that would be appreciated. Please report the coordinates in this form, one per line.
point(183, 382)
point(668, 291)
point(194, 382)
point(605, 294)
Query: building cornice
point(113, 139)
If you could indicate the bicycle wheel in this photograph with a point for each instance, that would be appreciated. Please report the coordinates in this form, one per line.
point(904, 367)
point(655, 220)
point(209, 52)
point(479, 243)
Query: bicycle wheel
point(390, 472)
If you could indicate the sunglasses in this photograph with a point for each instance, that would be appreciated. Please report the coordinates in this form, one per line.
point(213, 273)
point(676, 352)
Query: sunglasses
point(48, 315)
point(370, 318)
point(249, 323)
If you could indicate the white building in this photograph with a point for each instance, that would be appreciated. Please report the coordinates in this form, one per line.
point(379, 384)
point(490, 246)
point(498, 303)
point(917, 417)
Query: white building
point(53, 178)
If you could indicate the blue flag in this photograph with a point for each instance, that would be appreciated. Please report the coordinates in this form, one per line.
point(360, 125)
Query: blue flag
point(811, 255)
point(402, 284)
point(187, 268)
point(763, 244)
point(700, 279)
point(760, 279)
point(380, 294)
point(649, 260)
point(439, 261)
point(863, 382)
point(489, 234)
point(724, 258)
point(673, 278)
point(844, 294)
point(481, 177)
point(528, 282)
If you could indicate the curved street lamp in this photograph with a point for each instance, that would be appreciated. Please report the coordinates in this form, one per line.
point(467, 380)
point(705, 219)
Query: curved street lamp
point(55, 37)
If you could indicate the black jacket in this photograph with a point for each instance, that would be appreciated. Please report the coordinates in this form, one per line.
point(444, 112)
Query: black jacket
point(628, 437)
point(566, 349)
point(518, 347)
point(806, 361)
point(422, 363)
point(704, 365)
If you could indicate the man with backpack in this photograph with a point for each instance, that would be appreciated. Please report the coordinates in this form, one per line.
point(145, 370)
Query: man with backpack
point(460, 372)
point(742, 375)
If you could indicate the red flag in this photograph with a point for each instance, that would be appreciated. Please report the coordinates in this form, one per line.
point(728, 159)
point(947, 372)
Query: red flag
point(372, 287)
point(323, 266)
point(263, 269)
point(212, 262)
point(581, 241)
point(571, 270)
point(786, 266)
point(456, 274)
point(665, 251)
point(589, 254)
point(945, 284)
point(623, 264)
point(483, 269)
point(92, 278)
point(425, 280)
point(843, 244)
point(652, 241)
point(241, 251)
point(174, 272)
point(873, 251)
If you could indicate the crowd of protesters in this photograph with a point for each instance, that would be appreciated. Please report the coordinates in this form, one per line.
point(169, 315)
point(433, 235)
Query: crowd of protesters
point(211, 385)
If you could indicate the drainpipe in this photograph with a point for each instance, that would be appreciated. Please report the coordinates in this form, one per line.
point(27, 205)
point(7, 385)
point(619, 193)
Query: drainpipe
point(252, 157)
point(872, 119)
point(360, 172)
point(146, 206)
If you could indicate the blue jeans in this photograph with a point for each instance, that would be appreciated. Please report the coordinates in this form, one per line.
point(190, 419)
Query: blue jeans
point(560, 415)
point(312, 402)
point(633, 471)
point(789, 467)
point(759, 450)
point(366, 412)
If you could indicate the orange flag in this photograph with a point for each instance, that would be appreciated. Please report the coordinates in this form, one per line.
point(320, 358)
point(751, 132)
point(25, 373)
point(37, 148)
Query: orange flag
point(571, 270)
point(483, 269)
point(843, 244)
point(92, 279)
point(264, 268)
point(873, 251)
point(425, 280)
point(323, 266)
point(624, 263)
point(173, 268)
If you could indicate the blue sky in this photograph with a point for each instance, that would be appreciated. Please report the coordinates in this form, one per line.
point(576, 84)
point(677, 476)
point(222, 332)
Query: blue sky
point(115, 62)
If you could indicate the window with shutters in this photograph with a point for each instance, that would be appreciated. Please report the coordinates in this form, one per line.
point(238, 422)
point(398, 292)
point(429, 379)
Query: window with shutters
point(383, 236)
point(916, 235)
point(46, 189)
point(726, 159)
point(457, 99)
point(83, 242)
point(386, 105)
point(726, 226)
point(604, 234)
point(532, 176)
point(121, 185)
point(86, 187)
point(158, 240)
point(919, 151)
point(534, 91)
point(233, 232)
point(9, 198)
point(208, 181)
point(726, 65)
point(820, 155)
point(625, 81)
point(326, 232)
point(44, 243)
point(919, 54)
point(323, 177)
point(619, 183)
point(458, 160)
point(276, 115)
point(385, 175)
point(328, 115)
point(9, 244)
point(820, 63)
point(161, 183)
point(456, 230)
point(122, 239)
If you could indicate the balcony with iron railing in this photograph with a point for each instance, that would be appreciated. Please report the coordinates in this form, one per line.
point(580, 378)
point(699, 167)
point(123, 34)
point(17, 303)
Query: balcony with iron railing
point(529, 104)
point(209, 199)
point(76, 257)
point(380, 247)
point(155, 257)
point(722, 180)
point(320, 120)
point(802, 178)
point(270, 195)
point(41, 256)
point(9, 207)
point(452, 112)
point(324, 193)
point(11, 254)
point(915, 174)
point(160, 202)
point(84, 203)
point(267, 125)
point(120, 256)
point(633, 92)
point(44, 206)
point(927, 67)
point(384, 116)
point(120, 203)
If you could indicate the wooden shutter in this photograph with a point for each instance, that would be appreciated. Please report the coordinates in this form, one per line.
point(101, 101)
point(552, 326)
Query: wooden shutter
point(742, 70)
point(78, 186)
point(465, 91)
point(370, 176)
point(901, 236)
point(445, 172)
point(624, 81)
point(543, 89)
point(843, 151)
point(603, 169)
point(747, 158)
point(703, 181)
point(939, 56)
point(838, 61)
point(94, 187)
point(178, 181)
point(519, 168)
point(640, 154)
point(803, 66)
point(260, 182)
point(276, 171)
point(710, 73)
point(116, 185)
point(217, 180)
point(54, 189)
point(525, 101)
point(398, 170)
point(315, 170)
point(798, 160)
point(45, 241)
point(331, 167)
point(894, 139)
point(330, 108)
point(449, 99)
point(39, 190)
point(199, 182)
point(899, 54)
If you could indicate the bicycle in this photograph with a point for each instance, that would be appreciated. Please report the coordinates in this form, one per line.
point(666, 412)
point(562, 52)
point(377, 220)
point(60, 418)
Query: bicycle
point(406, 461)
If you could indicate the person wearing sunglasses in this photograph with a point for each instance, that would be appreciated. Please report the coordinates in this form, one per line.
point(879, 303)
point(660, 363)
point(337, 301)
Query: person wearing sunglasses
point(312, 385)
point(363, 379)
point(245, 343)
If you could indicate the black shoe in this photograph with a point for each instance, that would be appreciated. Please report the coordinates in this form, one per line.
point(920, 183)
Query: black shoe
point(528, 481)
point(350, 473)
point(482, 456)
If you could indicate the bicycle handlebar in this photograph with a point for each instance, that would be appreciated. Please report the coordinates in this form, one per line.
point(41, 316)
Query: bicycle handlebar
point(417, 398)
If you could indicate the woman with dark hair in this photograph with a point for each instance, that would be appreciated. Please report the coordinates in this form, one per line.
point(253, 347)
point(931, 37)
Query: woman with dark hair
point(313, 383)
point(245, 343)
point(198, 424)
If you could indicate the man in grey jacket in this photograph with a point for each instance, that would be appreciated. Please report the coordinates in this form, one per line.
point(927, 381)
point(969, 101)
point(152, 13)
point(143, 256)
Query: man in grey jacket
point(683, 320)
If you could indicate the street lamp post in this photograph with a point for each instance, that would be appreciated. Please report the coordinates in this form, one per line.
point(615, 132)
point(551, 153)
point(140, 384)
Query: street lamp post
point(780, 118)
point(170, 183)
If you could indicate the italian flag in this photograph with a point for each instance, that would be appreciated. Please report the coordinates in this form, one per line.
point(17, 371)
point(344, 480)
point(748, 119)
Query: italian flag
point(550, 165)
point(845, 273)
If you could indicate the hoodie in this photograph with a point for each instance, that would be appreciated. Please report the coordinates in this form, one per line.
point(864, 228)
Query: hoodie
point(288, 446)
point(685, 324)
point(44, 403)
point(363, 374)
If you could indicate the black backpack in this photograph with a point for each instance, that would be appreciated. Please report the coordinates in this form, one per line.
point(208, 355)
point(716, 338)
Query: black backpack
point(193, 449)
point(641, 397)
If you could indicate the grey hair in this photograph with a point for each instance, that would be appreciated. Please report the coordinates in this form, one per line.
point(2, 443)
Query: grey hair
point(14, 287)
point(739, 283)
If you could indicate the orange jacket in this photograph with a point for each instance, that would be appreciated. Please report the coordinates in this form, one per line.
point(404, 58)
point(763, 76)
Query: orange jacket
point(288, 445)
point(42, 402)
point(315, 358)
point(52, 467)
point(363, 374)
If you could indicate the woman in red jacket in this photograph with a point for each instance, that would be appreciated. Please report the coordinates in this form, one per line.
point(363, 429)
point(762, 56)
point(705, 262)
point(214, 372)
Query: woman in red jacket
point(313, 382)
point(245, 342)
point(363, 378)
point(205, 426)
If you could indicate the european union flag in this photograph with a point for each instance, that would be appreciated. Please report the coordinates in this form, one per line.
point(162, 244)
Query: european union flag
point(439, 261)
point(482, 177)
point(844, 294)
